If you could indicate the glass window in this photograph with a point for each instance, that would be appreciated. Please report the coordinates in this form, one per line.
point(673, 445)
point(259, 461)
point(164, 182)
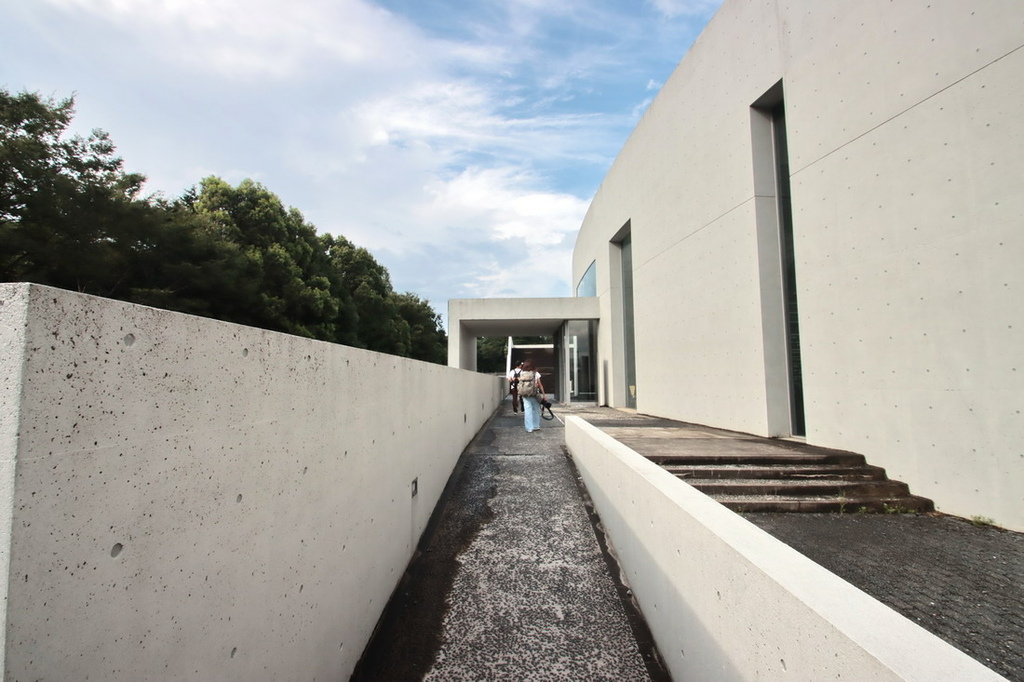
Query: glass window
point(629, 333)
point(588, 283)
point(581, 336)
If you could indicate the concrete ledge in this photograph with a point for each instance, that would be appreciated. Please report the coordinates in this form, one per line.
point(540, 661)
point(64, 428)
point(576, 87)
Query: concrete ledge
point(469, 318)
point(727, 601)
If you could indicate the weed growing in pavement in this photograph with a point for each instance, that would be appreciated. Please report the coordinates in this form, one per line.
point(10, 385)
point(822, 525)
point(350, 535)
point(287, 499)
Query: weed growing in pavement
point(982, 521)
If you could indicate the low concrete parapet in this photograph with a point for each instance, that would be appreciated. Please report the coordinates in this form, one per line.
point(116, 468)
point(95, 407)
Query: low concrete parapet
point(182, 498)
point(727, 601)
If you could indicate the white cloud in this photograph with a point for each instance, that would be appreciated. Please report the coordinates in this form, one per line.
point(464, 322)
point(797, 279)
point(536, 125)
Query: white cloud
point(259, 38)
point(528, 229)
point(450, 144)
point(431, 110)
point(641, 108)
point(505, 203)
point(675, 8)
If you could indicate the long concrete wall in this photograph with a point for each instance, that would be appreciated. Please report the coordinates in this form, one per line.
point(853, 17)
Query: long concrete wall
point(187, 499)
point(726, 601)
point(906, 150)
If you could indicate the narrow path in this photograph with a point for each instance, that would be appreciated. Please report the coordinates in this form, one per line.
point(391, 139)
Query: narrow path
point(512, 582)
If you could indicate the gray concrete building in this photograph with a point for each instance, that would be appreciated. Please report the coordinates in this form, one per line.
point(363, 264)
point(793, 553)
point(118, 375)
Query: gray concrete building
point(815, 232)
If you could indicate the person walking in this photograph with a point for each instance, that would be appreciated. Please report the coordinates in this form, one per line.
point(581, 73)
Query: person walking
point(531, 389)
point(513, 386)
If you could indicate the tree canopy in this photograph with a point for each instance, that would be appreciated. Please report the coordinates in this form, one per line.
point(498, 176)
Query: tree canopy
point(71, 217)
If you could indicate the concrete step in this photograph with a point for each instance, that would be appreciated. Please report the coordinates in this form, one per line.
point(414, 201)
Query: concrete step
point(779, 479)
point(768, 458)
point(906, 504)
point(749, 473)
point(777, 471)
point(794, 488)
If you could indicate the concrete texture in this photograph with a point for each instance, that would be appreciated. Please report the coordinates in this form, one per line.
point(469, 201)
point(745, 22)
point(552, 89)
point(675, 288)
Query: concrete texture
point(726, 600)
point(189, 499)
point(906, 149)
point(511, 582)
point(961, 581)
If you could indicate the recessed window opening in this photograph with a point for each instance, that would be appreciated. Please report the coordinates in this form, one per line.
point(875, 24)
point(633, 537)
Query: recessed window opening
point(622, 245)
point(581, 346)
point(777, 262)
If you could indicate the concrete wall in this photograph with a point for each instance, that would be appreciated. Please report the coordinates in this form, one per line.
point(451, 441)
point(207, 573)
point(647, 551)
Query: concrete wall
point(469, 318)
point(726, 601)
point(906, 151)
point(183, 498)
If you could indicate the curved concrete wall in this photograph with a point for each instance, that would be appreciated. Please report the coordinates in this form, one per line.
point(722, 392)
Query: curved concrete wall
point(906, 150)
point(183, 498)
point(704, 575)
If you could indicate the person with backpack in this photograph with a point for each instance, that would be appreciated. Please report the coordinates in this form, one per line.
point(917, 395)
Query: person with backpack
point(531, 390)
point(513, 386)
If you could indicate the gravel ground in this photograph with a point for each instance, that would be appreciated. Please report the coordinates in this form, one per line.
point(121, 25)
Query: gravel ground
point(512, 582)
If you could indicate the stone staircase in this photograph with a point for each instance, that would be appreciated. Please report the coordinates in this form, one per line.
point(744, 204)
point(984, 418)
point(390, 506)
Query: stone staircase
point(796, 482)
point(752, 474)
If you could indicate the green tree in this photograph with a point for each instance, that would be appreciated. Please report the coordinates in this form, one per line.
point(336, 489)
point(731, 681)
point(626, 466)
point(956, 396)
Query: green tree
point(68, 211)
point(283, 257)
point(426, 334)
point(185, 264)
point(380, 326)
point(71, 217)
point(491, 354)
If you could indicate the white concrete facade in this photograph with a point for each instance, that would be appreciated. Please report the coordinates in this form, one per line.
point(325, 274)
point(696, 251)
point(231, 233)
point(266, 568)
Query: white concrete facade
point(704, 575)
point(187, 499)
point(470, 318)
point(906, 159)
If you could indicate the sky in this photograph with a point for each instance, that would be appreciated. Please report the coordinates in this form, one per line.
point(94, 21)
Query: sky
point(459, 141)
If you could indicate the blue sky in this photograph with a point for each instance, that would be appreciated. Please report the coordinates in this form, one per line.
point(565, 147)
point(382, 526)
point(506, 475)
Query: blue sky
point(460, 141)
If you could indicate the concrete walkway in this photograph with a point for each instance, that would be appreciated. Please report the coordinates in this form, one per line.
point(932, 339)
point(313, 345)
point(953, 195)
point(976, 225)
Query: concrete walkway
point(512, 582)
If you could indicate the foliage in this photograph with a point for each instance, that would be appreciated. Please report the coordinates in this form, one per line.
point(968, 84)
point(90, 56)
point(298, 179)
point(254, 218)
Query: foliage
point(427, 340)
point(381, 328)
point(71, 217)
point(67, 210)
point(283, 259)
point(491, 354)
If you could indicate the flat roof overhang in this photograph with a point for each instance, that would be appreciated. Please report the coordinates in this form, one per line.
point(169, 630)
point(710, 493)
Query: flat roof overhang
point(469, 318)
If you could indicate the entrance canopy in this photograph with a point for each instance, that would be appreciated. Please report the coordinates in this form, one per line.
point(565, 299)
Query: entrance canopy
point(469, 318)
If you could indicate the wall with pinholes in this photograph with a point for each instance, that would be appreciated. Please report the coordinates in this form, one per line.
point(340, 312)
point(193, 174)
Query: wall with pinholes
point(906, 152)
point(703, 576)
point(189, 499)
